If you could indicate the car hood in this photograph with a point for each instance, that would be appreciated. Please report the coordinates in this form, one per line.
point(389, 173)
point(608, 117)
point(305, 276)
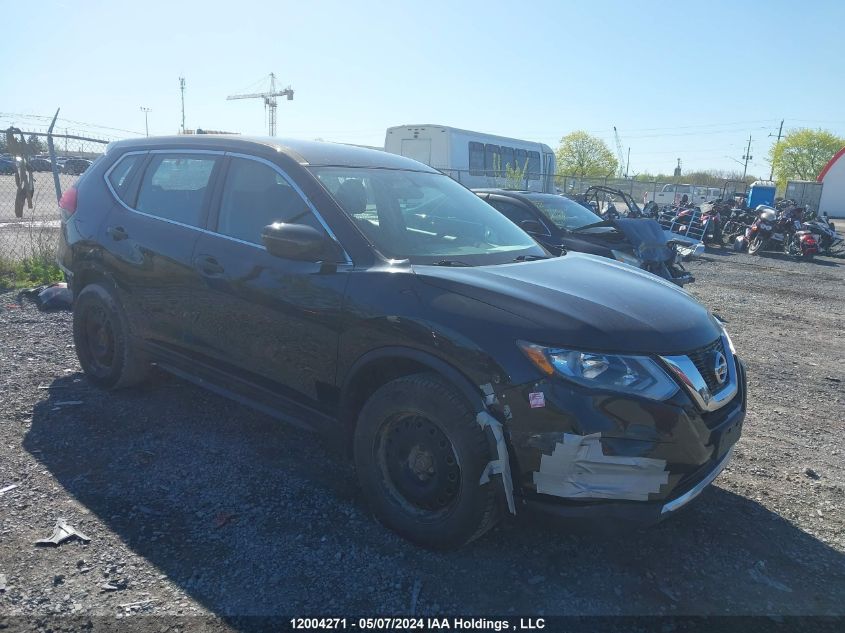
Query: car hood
point(585, 302)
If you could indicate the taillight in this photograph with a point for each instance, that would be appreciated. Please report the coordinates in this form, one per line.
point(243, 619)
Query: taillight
point(68, 200)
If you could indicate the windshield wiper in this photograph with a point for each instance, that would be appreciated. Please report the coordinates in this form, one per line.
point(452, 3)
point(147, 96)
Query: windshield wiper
point(593, 225)
point(529, 258)
point(450, 262)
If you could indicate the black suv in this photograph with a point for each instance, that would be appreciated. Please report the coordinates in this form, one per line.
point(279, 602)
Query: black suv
point(371, 297)
point(561, 224)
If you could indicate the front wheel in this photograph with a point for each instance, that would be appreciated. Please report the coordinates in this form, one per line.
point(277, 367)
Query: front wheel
point(420, 454)
point(755, 245)
point(106, 351)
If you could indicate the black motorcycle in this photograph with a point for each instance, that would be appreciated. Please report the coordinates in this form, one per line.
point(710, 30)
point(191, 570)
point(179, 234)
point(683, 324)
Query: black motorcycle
point(830, 242)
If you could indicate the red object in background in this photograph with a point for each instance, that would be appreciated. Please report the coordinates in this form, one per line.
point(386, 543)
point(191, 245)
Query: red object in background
point(68, 200)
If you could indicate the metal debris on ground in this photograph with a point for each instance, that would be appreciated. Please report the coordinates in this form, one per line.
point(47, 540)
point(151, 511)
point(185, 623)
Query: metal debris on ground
point(68, 403)
point(8, 488)
point(50, 297)
point(812, 474)
point(114, 585)
point(757, 572)
point(61, 533)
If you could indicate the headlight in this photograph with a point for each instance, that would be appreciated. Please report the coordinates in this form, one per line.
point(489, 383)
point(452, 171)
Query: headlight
point(638, 375)
point(626, 258)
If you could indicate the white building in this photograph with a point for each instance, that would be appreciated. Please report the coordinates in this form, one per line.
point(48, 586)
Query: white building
point(832, 178)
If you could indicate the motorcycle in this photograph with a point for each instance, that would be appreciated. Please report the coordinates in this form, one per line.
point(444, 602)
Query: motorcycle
point(736, 221)
point(782, 231)
point(825, 233)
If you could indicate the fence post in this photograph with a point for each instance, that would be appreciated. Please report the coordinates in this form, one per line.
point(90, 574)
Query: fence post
point(56, 182)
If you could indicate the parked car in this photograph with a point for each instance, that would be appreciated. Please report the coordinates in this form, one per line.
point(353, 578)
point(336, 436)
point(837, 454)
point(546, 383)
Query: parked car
point(7, 166)
point(40, 164)
point(561, 224)
point(75, 166)
point(468, 372)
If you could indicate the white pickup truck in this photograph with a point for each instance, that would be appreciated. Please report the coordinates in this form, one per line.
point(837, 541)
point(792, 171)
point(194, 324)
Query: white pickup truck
point(672, 194)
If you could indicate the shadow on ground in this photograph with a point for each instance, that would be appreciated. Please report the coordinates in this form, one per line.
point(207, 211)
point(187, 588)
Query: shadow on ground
point(249, 516)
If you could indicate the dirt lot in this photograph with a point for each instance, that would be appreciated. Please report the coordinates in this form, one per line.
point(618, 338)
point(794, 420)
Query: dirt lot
point(196, 505)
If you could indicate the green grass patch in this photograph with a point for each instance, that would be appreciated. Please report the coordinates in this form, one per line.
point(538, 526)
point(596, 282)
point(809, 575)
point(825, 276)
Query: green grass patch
point(26, 273)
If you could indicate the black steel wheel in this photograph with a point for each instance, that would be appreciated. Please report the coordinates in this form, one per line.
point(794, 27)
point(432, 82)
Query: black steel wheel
point(419, 454)
point(418, 464)
point(106, 351)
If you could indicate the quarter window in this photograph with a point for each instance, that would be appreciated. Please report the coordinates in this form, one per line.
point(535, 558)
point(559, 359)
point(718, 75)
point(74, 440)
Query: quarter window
point(256, 195)
point(119, 175)
point(174, 187)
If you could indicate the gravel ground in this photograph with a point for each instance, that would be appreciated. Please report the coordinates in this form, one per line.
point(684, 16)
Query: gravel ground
point(197, 505)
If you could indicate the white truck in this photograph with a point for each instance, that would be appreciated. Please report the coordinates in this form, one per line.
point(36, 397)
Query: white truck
point(475, 159)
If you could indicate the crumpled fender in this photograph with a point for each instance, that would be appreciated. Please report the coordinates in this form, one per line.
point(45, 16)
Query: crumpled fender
point(647, 238)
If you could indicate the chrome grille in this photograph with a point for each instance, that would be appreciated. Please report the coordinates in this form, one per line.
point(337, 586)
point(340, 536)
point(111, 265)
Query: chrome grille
point(702, 358)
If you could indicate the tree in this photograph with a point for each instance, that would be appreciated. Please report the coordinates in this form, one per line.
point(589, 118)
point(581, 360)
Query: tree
point(580, 154)
point(802, 154)
point(35, 144)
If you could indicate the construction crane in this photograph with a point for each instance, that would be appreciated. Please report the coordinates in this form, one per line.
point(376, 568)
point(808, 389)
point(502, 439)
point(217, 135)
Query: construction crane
point(269, 101)
point(621, 169)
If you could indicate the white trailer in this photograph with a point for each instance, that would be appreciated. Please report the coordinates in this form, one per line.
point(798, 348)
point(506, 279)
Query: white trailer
point(473, 158)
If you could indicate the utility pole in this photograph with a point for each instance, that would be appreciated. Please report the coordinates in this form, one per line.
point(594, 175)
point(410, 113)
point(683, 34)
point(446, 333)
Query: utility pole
point(146, 112)
point(628, 162)
point(747, 158)
point(780, 134)
point(182, 89)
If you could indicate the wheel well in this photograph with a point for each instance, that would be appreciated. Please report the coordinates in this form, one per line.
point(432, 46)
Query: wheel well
point(372, 375)
point(85, 277)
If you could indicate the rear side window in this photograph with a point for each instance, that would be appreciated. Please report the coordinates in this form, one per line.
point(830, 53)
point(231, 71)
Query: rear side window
point(174, 187)
point(119, 176)
point(256, 195)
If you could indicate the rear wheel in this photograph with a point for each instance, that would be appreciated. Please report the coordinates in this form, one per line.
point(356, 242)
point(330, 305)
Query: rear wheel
point(106, 351)
point(420, 454)
point(755, 245)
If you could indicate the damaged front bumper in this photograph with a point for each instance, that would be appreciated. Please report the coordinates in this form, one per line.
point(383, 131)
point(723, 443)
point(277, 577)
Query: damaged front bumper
point(613, 458)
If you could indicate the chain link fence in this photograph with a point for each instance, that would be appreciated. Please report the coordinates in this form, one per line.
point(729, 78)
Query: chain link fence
point(642, 191)
point(35, 168)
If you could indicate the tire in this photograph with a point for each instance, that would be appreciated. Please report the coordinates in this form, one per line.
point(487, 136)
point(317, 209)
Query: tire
point(755, 245)
point(419, 454)
point(104, 345)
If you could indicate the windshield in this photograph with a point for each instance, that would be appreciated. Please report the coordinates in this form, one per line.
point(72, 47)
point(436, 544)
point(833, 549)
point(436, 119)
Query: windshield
point(565, 213)
point(425, 217)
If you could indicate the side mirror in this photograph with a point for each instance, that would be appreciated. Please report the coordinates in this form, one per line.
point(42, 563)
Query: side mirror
point(296, 241)
point(531, 226)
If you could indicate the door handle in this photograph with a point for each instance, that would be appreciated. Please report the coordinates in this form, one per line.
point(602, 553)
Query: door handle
point(117, 233)
point(207, 265)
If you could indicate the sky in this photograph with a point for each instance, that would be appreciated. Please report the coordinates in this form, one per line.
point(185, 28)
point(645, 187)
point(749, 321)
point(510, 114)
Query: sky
point(682, 79)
